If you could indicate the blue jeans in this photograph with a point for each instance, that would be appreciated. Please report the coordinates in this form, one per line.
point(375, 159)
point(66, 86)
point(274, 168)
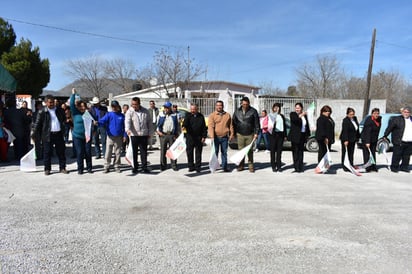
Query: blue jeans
point(83, 151)
point(99, 137)
point(265, 140)
point(222, 143)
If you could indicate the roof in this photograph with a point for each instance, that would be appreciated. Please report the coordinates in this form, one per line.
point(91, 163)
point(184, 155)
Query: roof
point(7, 81)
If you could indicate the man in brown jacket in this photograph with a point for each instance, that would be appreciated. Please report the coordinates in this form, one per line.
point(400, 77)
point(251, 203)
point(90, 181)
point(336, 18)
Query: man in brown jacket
point(221, 131)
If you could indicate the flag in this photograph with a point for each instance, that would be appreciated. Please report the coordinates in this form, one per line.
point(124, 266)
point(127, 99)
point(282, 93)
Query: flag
point(129, 153)
point(213, 160)
point(371, 162)
point(177, 148)
point(10, 136)
point(311, 116)
point(238, 156)
point(347, 164)
point(28, 161)
point(324, 163)
point(382, 150)
point(88, 122)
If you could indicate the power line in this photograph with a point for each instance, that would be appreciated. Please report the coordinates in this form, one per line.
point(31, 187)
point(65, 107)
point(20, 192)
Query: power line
point(393, 45)
point(92, 34)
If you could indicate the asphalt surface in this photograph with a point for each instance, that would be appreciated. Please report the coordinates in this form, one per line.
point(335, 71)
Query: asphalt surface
point(181, 222)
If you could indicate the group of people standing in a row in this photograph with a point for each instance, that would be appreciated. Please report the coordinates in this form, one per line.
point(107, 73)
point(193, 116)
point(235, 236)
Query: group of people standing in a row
point(139, 125)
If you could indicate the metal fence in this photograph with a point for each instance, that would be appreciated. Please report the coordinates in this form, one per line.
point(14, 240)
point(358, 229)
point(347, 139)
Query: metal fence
point(288, 104)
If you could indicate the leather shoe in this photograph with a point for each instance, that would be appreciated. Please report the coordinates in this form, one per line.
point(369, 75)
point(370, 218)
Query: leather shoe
point(175, 168)
point(251, 169)
point(146, 170)
point(226, 170)
point(64, 171)
point(405, 170)
point(191, 169)
point(47, 172)
point(134, 171)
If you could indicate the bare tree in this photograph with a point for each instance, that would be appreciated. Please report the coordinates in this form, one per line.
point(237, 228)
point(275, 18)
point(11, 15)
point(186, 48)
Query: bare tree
point(175, 68)
point(268, 88)
point(91, 72)
point(390, 86)
point(120, 72)
point(323, 79)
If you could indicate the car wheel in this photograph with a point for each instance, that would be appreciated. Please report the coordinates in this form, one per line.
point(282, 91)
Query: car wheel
point(312, 145)
point(384, 143)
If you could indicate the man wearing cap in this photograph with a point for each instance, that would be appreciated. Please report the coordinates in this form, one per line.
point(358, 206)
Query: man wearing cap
point(401, 129)
point(168, 130)
point(139, 127)
point(114, 123)
point(99, 134)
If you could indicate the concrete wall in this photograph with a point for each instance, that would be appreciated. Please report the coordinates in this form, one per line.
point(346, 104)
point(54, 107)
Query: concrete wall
point(339, 109)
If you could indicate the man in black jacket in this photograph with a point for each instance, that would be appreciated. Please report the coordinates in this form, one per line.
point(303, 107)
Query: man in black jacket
point(246, 126)
point(49, 127)
point(196, 133)
point(401, 129)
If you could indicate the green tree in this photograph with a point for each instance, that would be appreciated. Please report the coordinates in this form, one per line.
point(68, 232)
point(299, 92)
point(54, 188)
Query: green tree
point(24, 63)
point(7, 36)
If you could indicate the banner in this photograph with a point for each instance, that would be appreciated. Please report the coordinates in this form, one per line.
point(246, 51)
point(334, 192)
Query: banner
point(238, 156)
point(347, 164)
point(28, 161)
point(213, 160)
point(88, 123)
point(177, 148)
point(324, 163)
point(129, 153)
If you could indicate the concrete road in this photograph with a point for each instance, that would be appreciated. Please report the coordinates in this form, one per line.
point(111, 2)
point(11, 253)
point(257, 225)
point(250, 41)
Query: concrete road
point(181, 222)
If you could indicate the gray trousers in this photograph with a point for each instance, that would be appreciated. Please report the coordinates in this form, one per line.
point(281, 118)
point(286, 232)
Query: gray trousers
point(116, 143)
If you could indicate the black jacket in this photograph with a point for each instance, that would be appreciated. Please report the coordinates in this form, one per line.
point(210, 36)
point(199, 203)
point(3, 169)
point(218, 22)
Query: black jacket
point(246, 123)
point(396, 126)
point(370, 131)
point(296, 128)
point(349, 132)
point(195, 126)
point(42, 127)
point(325, 128)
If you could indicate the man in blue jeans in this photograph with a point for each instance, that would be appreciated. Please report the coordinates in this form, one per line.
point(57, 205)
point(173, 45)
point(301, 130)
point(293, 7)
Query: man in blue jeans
point(99, 134)
point(220, 130)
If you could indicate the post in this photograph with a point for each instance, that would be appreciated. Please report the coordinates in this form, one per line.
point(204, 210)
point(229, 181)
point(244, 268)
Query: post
point(366, 103)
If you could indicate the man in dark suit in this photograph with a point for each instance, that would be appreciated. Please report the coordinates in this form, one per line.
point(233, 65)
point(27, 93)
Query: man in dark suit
point(49, 127)
point(196, 133)
point(401, 129)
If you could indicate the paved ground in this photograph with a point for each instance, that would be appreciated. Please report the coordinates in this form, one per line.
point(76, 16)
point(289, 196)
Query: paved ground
point(206, 223)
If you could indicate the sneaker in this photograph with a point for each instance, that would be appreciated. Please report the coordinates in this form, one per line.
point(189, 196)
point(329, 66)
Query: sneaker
point(64, 171)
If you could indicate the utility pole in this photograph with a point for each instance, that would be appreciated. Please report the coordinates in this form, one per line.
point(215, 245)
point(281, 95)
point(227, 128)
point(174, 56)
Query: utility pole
point(188, 67)
point(367, 103)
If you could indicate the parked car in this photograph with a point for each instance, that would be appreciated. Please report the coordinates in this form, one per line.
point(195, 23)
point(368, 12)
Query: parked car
point(385, 121)
point(311, 144)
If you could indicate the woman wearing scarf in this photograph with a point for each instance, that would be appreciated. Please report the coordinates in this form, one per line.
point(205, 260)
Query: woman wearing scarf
point(277, 134)
point(369, 137)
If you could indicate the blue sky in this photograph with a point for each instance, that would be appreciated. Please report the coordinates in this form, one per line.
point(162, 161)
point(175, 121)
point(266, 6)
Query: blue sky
point(250, 42)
